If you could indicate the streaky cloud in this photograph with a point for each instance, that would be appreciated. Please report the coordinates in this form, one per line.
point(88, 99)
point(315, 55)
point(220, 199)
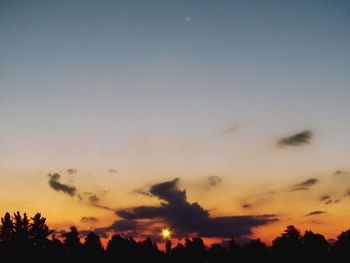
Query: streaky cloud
point(298, 139)
point(305, 185)
point(317, 212)
point(88, 219)
point(94, 200)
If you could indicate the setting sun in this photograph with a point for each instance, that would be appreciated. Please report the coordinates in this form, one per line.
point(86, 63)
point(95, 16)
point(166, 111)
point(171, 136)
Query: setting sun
point(166, 233)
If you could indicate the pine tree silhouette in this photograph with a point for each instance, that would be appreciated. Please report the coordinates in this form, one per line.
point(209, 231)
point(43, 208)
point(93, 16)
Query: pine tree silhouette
point(29, 240)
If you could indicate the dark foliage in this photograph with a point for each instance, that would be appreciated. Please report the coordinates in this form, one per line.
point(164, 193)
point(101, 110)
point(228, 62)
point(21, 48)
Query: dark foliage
point(31, 239)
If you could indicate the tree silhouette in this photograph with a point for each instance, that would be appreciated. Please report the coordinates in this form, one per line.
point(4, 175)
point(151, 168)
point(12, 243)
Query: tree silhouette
point(27, 239)
point(315, 246)
point(217, 253)
point(168, 247)
point(39, 232)
point(234, 251)
point(342, 245)
point(195, 249)
point(6, 229)
point(288, 244)
point(72, 242)
point(118, 247)
point(255, 250)
point(92, 247)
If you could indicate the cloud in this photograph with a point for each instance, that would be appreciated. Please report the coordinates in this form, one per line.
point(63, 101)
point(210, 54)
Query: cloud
point(125, 225)
point(298, 139)
point(329, 200)
point(231, 130)
point(185, 217)
point(325, 198)
point(246, 206)
point(187, 19)
point(121, 226)
point(94, 200)
point(71, 171)
point(58, 186)
point(305, 185)
point(142, 192)
point(313, 213)
point(112, 171)
point(89, 219)
point(340, 172)
point(214, 180)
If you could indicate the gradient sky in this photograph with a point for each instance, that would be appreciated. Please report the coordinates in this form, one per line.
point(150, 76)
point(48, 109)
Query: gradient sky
point(136, 93)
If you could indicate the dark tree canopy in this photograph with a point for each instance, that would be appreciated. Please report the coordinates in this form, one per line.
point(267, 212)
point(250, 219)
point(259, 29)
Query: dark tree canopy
point(32, 240)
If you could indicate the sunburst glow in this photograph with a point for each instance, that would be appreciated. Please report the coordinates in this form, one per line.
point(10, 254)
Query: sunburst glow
point(166, 233)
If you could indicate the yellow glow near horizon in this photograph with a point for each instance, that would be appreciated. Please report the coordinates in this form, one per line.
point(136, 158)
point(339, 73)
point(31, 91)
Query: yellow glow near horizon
point(166, 233)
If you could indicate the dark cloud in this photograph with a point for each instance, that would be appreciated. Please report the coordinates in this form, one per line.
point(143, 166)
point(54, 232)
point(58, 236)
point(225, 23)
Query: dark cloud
point(186, 218)
point(112, 171)
point(125, 225)
point(71, 171)
point(58, 186)
point(214, 180)
point(313, 213)
point(298, 139)
point(325, 198)
point(329, 200)
point(89, 219)
point(246, 206)
point(121, 226)
point(305, 185)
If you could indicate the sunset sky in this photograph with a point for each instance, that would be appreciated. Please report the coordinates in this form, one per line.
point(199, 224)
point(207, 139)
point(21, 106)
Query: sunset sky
point(109, 110)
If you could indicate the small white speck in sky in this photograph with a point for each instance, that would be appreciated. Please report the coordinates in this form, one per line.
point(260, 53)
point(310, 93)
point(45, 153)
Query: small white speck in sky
point(187, 19)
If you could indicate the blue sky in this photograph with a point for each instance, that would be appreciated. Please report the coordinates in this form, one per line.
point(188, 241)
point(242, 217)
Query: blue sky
point(149, 87)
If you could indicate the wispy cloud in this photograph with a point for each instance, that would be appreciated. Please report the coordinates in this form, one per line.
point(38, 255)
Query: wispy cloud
point(72, 171)
point(187, 19)
point(298, 139)
point(231, 130)
point(88, 219)
point(314, 213)
point(95, 201)
point(305, 185)
point(142, 192)
point(340, 172)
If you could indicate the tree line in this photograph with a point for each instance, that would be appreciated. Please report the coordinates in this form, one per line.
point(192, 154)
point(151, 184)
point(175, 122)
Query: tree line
point(31, 239)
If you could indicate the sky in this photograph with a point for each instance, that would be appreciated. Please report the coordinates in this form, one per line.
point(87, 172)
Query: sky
point(131, 115)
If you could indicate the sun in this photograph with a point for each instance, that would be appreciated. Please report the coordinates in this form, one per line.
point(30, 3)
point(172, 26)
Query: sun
point(166, 233)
